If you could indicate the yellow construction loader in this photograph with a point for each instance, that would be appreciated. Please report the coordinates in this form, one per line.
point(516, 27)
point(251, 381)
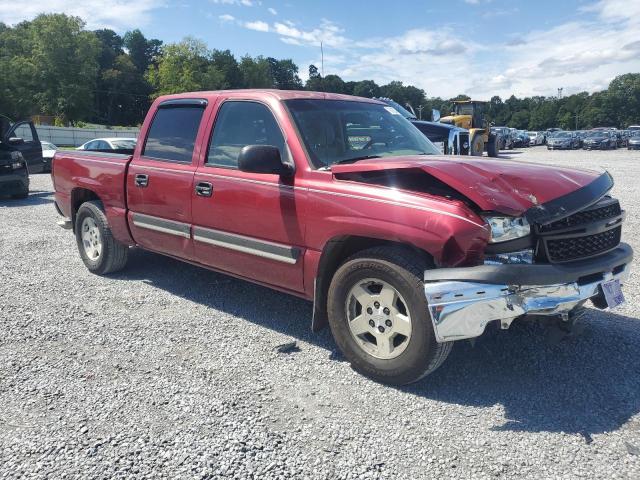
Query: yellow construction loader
point(471, 114)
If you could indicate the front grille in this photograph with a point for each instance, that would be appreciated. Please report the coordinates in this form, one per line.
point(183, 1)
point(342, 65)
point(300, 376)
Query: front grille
point(584, 217)
point(565, 250)
point(587, 233)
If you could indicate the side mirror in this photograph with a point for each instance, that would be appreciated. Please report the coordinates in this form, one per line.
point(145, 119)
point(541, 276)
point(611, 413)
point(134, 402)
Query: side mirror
point(435, 115)
point(263, 159)
point(16, 141)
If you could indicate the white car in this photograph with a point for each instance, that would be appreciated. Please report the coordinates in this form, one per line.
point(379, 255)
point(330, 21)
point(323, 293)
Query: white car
point(48, 151)
point(535, 138)
point(115, 143)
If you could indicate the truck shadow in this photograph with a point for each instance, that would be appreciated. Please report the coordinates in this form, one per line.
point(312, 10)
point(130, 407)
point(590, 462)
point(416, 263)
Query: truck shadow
point(584, 385)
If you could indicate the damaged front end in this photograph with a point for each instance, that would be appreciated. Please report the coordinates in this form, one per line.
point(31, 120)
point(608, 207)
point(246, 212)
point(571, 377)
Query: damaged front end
point(573, 254)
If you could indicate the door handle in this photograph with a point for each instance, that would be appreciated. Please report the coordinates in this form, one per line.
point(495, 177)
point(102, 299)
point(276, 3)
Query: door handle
point(204, 189)
point(142, 180)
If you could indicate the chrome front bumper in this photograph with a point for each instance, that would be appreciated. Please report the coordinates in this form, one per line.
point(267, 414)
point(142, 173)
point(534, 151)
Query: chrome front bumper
point(462, 309)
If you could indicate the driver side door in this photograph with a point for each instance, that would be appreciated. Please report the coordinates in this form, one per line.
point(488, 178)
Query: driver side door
point(247, 224)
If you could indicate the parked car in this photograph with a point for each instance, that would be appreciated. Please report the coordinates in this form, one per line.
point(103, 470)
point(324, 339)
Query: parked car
point(633, 143)
point(599, 140)
point(563, 141)
point(525, 141)
point(48, 150)
point(115, 143)
point(22, 137)
point(535, 138)
point(14, 175)
point(402, 250)
point(505, 142)
point(451, 140)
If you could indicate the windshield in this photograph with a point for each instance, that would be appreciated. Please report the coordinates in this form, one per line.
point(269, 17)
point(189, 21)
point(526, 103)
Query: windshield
point(597, 134)
point(532, 134)
point(562, 135)
point(464, 109)
point(123, 144)
point(341, 131)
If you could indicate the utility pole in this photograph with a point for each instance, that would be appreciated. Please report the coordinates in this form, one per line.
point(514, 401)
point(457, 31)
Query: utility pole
point(576, 120)
point(420, 112)
point(560, 92)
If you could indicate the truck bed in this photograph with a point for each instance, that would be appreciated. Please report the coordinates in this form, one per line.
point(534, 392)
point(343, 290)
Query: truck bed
point(80, 175)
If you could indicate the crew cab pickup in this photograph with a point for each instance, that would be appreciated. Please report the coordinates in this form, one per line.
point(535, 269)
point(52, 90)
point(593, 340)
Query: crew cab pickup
point(341, 201)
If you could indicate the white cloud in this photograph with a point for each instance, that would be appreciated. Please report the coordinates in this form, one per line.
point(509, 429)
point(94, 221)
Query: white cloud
point(328, 33)
point(227, 18)
point(119, 14)
point(258, 26)
point(272, 11)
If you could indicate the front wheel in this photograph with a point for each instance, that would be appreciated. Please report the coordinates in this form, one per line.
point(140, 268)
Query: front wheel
point(477, 145)
point(100, 252)
point(379, 316)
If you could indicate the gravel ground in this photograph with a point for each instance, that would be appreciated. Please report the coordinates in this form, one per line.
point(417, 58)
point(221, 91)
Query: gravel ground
point(170, 371)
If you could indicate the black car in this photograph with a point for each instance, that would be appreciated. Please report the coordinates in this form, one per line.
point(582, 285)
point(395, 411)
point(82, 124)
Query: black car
point(600, 140)
point(453, 140)
point(19, 156)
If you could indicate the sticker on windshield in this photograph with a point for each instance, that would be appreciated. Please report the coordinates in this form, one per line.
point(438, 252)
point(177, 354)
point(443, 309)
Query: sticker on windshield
point(392, 110)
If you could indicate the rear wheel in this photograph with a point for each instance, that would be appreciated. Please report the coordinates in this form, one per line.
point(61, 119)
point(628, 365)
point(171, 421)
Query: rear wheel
point(100, 252)
point(492, 146)
point(379, 318)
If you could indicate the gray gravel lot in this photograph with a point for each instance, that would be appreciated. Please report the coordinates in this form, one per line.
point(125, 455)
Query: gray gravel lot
point(166, 370)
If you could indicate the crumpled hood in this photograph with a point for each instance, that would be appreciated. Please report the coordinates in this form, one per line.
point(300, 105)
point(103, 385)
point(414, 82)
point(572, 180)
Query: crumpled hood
point(493, 184)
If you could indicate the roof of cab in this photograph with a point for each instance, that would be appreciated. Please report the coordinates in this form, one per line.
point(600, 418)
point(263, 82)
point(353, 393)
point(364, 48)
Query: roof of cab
point(273, 93)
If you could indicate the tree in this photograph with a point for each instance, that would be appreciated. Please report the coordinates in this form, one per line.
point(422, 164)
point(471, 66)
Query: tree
point(64, 64)
point(366, 88)
point(227, 64)
point(186, 66)
point(285, 74)
point(143, 52)
point(256, 72)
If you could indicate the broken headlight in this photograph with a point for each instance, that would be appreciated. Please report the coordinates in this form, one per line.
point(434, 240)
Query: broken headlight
point(507, 228)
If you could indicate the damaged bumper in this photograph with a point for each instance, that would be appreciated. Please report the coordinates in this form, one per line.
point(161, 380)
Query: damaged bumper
point(462, 301)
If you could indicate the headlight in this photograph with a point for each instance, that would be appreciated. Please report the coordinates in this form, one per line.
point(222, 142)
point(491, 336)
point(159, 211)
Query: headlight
point(507, 228)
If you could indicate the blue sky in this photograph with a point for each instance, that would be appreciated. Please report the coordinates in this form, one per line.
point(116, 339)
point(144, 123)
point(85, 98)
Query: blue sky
point(478, 47)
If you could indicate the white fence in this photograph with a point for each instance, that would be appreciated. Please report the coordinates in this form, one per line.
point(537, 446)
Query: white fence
point(74, 137)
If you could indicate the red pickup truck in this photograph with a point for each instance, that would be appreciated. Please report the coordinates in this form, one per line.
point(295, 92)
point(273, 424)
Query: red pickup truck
point(340, 200)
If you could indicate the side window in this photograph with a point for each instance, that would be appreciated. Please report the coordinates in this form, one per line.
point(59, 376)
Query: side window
point(239, 124)
point(92, 145)
point(24, 131)
point(172, 134)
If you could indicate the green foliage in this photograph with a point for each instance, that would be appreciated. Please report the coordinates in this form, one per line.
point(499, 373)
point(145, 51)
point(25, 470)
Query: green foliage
point(186, 66)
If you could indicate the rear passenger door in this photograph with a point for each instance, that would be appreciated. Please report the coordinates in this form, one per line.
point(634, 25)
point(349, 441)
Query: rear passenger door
point(245, 223)
point(160, 178)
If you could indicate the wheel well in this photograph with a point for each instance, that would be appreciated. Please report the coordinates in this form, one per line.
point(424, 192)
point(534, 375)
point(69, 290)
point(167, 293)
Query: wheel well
point(78, 197)
point(336, 251)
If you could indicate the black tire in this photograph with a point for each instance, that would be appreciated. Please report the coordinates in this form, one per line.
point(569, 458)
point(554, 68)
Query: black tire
point(403, 270)
point(114, 255)
point(477, 145)
point(492, 146)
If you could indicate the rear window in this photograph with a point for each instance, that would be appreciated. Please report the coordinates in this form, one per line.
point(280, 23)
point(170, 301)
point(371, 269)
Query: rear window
point(172, 134)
